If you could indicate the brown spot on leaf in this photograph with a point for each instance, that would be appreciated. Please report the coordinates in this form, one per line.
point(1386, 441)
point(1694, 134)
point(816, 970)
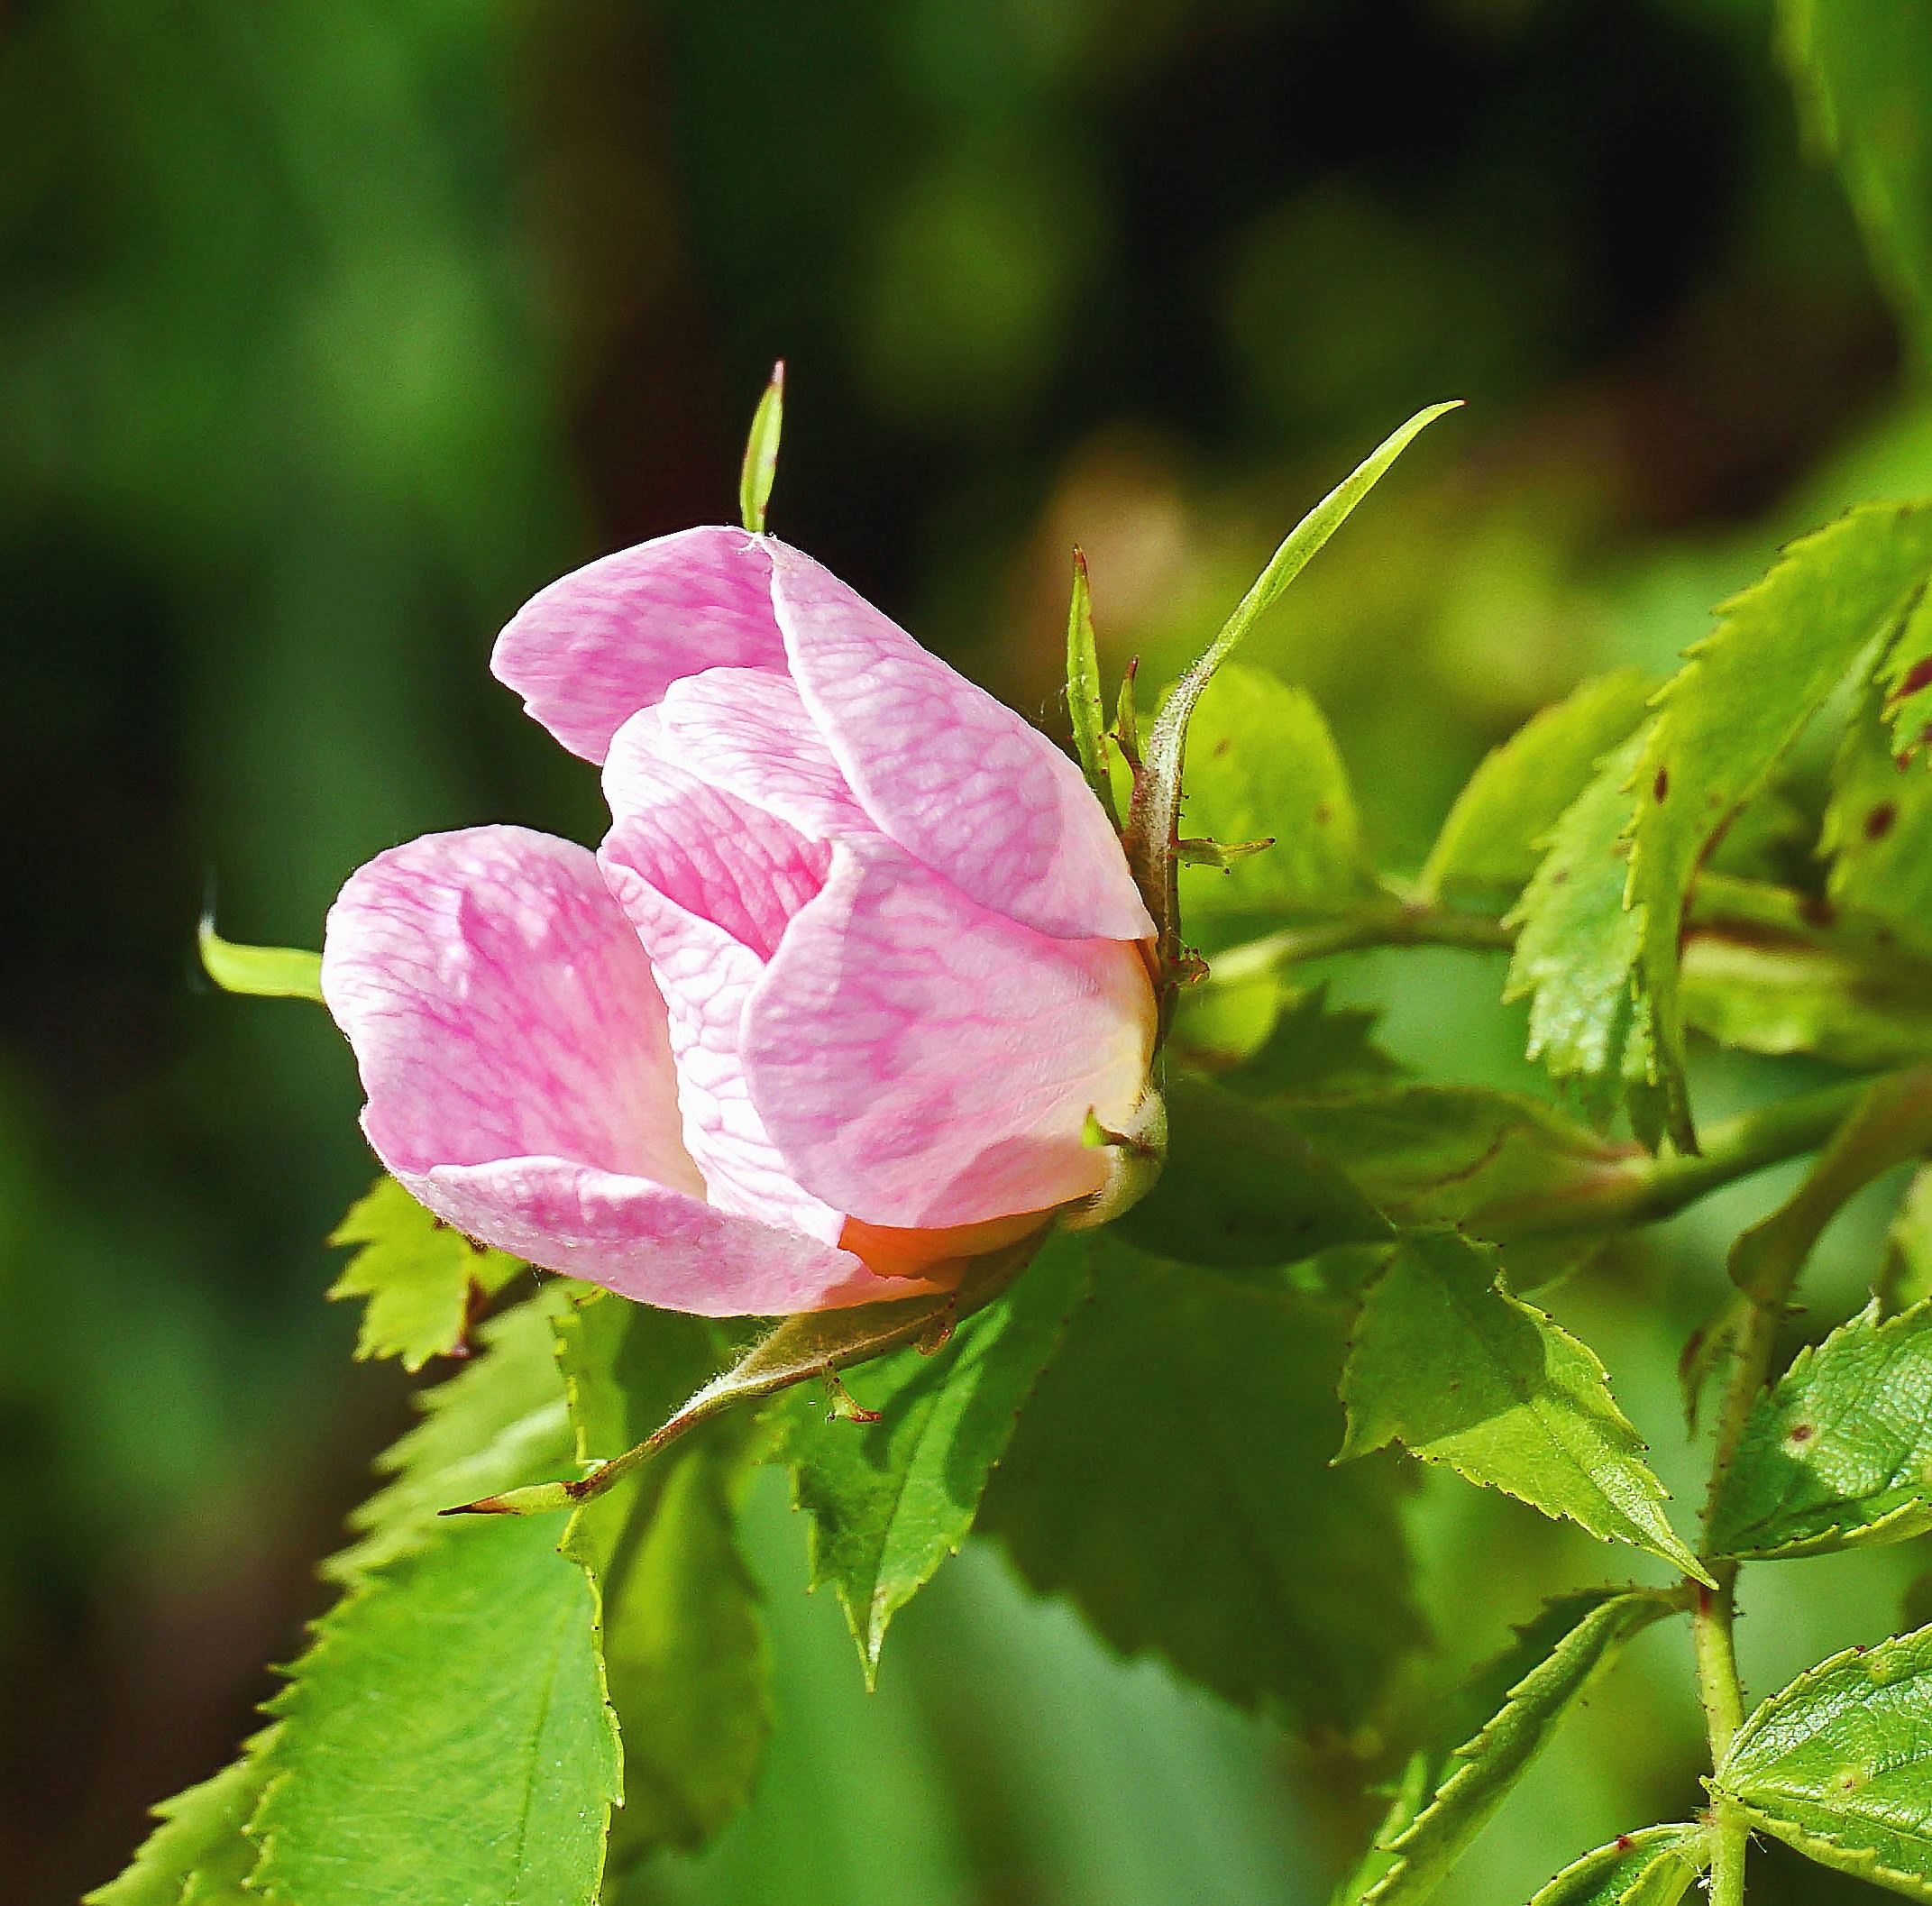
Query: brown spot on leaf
point(1881, 820)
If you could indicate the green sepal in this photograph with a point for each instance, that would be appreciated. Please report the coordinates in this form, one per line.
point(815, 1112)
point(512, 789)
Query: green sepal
point(1084, 702)
point(760, 467)
point(258, 972)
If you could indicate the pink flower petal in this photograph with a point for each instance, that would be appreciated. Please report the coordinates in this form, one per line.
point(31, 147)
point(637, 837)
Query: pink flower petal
point(607, 639)
point(919, 1060)
point(709, 885)
point(956, 778)
point(515, 1054)
point(745, 730)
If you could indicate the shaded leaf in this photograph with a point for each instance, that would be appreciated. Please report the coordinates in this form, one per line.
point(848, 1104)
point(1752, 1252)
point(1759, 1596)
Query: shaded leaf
point(1464, 1155)
point(890, 1501)
point(423, 1280)
point(1838, 1454)
point(1446, 1361)
point(685, 1656)
point(1839, 1764)
point(1242, 1190)
point(1171, 1478)
point(1496, 830)
point(1263, 767)
point(1655, 1867)
point(1573, 1640)
point(1762, 993)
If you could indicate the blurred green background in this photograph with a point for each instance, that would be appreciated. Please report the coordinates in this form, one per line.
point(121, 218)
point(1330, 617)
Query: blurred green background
point(327, 333)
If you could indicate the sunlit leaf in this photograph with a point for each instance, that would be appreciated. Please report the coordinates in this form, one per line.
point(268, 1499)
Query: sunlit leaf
point(890, 1501)
point(1560, 1655)
point(1727, 717)
point(1839, 1454)
point(1496, 830)
point(1839, 1764)
point(423, 1280)
point(445, 1737)
point(1447, 1362)
point(1171, 1478)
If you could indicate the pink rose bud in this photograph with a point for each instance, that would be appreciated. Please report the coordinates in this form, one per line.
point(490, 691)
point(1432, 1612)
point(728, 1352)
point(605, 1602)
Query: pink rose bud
point(833, 1003)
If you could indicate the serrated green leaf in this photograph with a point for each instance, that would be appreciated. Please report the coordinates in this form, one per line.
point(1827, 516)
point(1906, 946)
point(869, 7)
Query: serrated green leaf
point(197, 1856)
point(1878, 829)
point(501, 1415)
point(1240, 1190)
point(1727, 717)
point(1573, 1641)
point(1085, 704)
point(1839, 1764)
point(1907, 1279)
point(1500, 822)
point(1263, 767)
point(1863, 71)
point(1448, 1362)
point(422, 1280)
point(685, 1656)
point(1463, 1155)
point(1905, 676)
point(1171, 1478)
point(445, 1737)
point(1838, 1455)
point(890, 1501)
point(760, 467)
point(258, 972)
point(1577, 948)
point(1655, 1867)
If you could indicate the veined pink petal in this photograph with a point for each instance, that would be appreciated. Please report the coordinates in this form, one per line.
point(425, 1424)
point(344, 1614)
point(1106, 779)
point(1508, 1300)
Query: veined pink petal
point(514, 1049)
point(713, 855)
point(956, 778)
point(598, 644)
point(747, 730)
point(921, 1060)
